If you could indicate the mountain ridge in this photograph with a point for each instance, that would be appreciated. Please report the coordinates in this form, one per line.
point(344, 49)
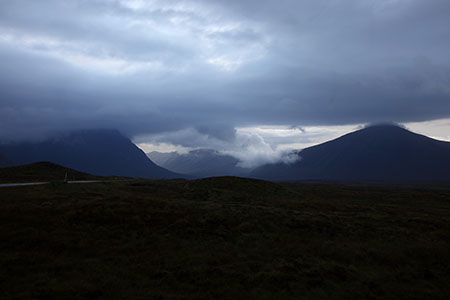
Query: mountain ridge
point(94, 151)
point(379, 152)
point(199, 163)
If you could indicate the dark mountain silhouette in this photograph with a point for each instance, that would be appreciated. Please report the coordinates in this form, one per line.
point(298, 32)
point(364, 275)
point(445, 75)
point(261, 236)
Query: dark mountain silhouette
point(381, 152)
point(4, 162)
point(199, 163)
point(99, 152)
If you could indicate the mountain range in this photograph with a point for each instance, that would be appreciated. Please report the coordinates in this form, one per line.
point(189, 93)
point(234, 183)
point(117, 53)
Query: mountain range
point(375, 153)
point(199, 163)
point(99, 152)
point(381, 152)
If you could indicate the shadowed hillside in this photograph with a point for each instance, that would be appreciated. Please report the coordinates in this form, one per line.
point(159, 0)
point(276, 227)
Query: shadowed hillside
point(41, 172)
point(100, 152)
point(4, 162)
point(200, 163)
point(382, 152)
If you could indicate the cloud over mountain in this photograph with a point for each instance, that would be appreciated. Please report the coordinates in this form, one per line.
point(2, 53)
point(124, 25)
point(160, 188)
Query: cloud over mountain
point(154, 67)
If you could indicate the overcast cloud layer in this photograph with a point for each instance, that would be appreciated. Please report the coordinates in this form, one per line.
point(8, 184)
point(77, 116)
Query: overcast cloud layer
point(162, 71)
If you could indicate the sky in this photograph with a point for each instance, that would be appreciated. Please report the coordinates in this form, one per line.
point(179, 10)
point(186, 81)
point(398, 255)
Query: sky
point(250, 78)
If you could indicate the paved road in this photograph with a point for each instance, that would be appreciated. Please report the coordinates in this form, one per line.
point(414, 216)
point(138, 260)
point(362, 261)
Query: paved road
point(40, 183)
point(84, 181)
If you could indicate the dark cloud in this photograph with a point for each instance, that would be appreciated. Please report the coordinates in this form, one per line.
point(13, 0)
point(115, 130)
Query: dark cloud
point(172, 70)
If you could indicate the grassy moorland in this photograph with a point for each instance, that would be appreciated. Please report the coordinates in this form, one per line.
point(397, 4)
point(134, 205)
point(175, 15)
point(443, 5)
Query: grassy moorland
point(224, 238)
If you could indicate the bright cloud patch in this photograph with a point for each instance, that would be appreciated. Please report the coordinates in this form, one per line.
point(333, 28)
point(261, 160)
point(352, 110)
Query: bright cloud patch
point(253, 146)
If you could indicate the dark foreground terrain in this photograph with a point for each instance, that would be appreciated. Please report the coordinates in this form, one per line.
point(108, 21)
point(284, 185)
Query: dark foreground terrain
point(224, 238)
point(44, 172)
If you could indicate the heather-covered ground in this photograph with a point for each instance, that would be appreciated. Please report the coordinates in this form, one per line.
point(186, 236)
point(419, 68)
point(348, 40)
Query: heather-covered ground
point(224, 238)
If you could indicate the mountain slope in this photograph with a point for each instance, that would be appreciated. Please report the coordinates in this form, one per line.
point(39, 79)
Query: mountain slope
point(100, 152)
point(160, 158)
point(200, 163)
point(382, 152)
point(4, 162)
